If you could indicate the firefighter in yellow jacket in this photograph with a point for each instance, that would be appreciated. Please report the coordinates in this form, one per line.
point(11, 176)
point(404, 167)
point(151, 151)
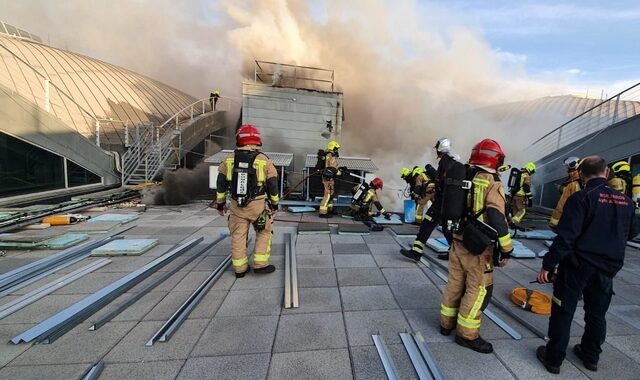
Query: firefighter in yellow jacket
point(421, 188)
point(252, 180)
point(363, 200)
point(523, 196)
point(568, 188)
point(470, 281)
point(621, 180)
point(329, 172)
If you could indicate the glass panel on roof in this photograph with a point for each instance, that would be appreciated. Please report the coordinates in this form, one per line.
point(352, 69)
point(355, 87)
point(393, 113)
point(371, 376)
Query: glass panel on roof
point(11, 29)
point(24, 33)
point(25, 168)
point(78, 176)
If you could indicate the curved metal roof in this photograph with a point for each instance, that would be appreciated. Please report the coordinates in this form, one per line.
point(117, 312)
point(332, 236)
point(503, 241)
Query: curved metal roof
point(83, 89)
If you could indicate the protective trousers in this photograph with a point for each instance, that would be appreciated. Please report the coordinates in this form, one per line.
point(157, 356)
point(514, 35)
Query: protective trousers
point(240, 219)
point(429, 223)
point(519, 207)
point(596, 289)
point(468, 290)
point(420, 204)
point(327, 200)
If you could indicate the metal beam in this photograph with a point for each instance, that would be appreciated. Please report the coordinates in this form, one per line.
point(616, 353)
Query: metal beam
point(387, 361)
point(287, 271)
point(294, 272)
point(94, 372)
point(133, 299)
point(418, 362)
point(31, 297)
point(428, 357)
point(55, 326)
point(173, 323)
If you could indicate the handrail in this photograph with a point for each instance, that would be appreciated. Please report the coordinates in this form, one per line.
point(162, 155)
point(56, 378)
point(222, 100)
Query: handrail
point(177, 114)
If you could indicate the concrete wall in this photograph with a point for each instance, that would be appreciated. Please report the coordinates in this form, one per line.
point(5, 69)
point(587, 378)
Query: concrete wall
point(617, 142)
point(21, 118)
point(291, 120)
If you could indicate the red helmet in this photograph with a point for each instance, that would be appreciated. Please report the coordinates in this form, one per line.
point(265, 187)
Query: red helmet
point(248, 135)
point(487, 153)
point(377, 183)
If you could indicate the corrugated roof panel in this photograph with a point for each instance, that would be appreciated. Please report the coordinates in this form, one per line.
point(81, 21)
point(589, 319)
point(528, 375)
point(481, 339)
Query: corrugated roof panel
point(352, 163)
point(279, 159)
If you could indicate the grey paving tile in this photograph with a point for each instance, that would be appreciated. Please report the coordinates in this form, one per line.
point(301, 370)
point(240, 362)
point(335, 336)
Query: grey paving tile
point(42, 309)
point(362, 324)
point(427, 322)
point(304, 332)
point(316, 300)
point(405, 276)
point(613, 363)
point(628, 313)
point(132, 347)
point(260, 281)
point(367, 298)
point(77, 346)
point(626, 294)
point(303, 249)
point(237, 335)
point(346, 239)
point(44, 372)
point(417, 296)
point(615, 325)
point(384, 249)
point(252, 302)
point(520, 358)
point(135, 312)
point(126, 264)
point(317, 277)
point(237, 367)
point(628, 277)
point(209, 305)
point(394, 261)
point(628, 345)
point(225, 282)
point(191, 281)
point(90, 283)
point(329, 364)
point(10, 351)
point(354, 261)
point(208, 263)
point(367, 364)
point(360, 277)
point(473, 364)
point(167, 306)
point(314, 261)
point(379, 238)
point(162, 370)
point(163, 286)
point(350, 249)
point(312, 239)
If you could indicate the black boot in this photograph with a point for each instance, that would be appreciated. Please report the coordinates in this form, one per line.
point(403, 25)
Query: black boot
point(444, 256)
point(445, 331)
point(411, 254)
point(240, 275)
point(577, 349)
point(479, 345)
point(541, 354)
point(268, 269)
point(327, 216)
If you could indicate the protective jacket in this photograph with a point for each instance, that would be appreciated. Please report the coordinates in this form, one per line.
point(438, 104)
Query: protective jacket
point(595, 225)
point(363, 205)
point(470, 281)
point(328, 182)
point(622, 183)
point(568, 188)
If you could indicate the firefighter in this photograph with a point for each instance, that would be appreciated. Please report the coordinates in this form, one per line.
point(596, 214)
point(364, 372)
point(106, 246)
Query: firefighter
point(470, 281)
point(523, 197)
point(252, 180)
point(432, 218)
point(588, 252)
point(621, 180)
point(364, 197)
point(570, 186)
point(213, 99)
point(329, 172)
point(421, 189)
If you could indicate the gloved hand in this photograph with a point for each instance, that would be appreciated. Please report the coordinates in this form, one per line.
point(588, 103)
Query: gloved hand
point(529, 202)
point(221, 207)
point(387, 215)
point(504, 258)
point(342, 171)
point(553, 227)
point(273, 206)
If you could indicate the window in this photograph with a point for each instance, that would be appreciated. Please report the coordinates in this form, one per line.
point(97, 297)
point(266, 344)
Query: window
point(25, 168)
point(78, 176)
point(550, 193)
point(635, 164)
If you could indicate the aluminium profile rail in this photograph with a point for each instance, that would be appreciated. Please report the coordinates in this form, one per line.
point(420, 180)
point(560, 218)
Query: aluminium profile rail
point(57, 325)
point(133, 299)
point(387, 361)
point(94, 372)
point(291, 273)
point(27, 274)
point(31, 297)
point(419, 364)
point(175, 321)
point(428, 356)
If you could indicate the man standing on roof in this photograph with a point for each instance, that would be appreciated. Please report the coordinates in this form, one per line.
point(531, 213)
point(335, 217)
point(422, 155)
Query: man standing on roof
point(523, 196)
point(568, 188)
point(470, 282)
point(252, 180)
point(432, 218)
point(588, 251)
point(621, 180)
point(364, 197)
point(329, 172)
point(421, 187)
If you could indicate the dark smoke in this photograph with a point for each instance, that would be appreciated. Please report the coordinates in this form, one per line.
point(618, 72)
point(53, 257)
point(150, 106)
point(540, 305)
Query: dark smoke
point(181, 186)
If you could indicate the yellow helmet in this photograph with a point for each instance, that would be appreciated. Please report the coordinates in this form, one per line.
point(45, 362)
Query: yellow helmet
point(333, 145)
point(531, 167)
point(404, 172)
point(621, 166)
point(417, 170)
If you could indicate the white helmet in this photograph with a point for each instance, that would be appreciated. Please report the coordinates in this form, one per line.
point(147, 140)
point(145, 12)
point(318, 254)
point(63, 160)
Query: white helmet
point(443, 145)
point(572, 162)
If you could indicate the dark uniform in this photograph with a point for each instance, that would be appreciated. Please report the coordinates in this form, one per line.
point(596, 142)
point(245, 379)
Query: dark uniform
point(589, 251)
